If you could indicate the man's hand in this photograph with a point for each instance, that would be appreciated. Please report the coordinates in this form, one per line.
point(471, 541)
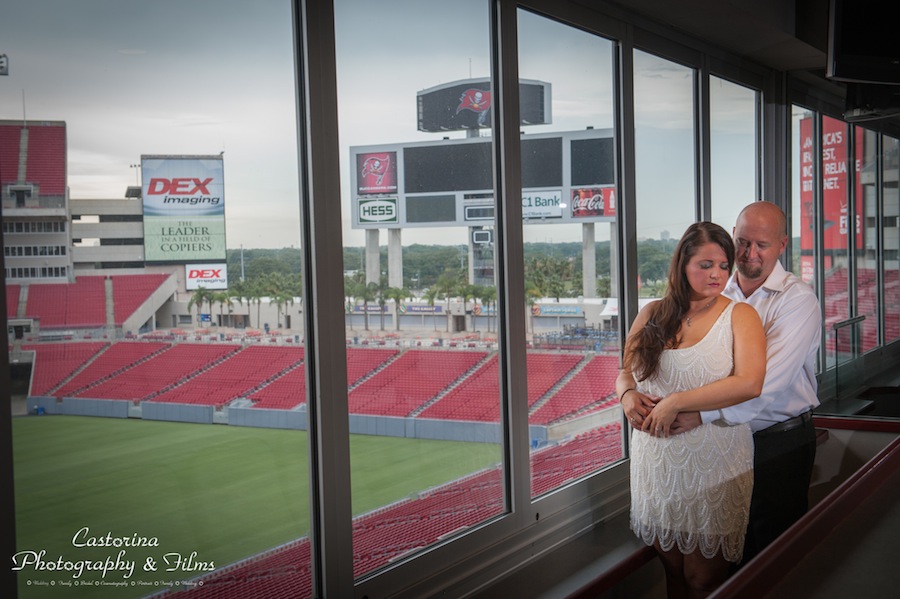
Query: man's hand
point(684, 422)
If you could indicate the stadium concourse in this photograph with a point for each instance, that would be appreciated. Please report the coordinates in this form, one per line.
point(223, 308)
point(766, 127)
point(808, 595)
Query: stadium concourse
point(82, 364)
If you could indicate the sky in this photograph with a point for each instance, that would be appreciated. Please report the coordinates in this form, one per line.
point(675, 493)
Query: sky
point(186, 77)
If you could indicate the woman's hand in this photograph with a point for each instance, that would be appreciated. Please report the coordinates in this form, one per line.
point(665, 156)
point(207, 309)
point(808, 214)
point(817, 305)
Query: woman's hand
point(636, 406)
point(659, 421)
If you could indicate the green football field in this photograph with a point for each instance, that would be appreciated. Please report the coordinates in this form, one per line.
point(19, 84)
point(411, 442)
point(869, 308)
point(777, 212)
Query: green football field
point(90, 491)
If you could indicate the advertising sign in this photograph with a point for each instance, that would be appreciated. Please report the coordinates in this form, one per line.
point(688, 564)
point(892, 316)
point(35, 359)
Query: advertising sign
point(593, 201)
point(378, 211)
point(422, 309)
point(835, 187)
point(208, 276)
point(376, 172)
point(542, 204)
point(555, 310)
point(184, 208)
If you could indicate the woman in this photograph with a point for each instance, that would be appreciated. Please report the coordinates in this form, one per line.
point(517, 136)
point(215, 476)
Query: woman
point(692, 350)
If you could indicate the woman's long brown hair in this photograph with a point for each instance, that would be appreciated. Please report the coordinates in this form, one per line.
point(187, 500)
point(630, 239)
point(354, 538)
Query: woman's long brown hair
point(661, 330)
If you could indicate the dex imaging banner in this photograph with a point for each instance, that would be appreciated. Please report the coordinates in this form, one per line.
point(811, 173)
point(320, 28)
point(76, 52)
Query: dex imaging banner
point(208, 276)
point(184, 208)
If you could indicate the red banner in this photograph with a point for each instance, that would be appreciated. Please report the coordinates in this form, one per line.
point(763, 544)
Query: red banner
point(835, 196)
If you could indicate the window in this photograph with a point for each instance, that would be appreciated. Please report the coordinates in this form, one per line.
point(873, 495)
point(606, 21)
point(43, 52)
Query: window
point(733, 153)
point(664, 144)
point(422, 355)
point(803, 198)
point(210, 496)
point(890, 229)
point(569, 229)
point(836, 218)
point(865, 169)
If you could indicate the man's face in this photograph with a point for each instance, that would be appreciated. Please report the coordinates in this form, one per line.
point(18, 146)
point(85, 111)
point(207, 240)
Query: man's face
point(758, 244)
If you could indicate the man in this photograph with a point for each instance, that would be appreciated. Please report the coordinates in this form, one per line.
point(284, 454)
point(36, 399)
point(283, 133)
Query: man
point(784, 436)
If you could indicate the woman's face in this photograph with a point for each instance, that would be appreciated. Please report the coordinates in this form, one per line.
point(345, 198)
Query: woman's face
point(707, 271)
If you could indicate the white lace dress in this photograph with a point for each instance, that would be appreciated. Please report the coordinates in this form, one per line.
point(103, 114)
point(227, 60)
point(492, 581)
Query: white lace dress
point(692, 491)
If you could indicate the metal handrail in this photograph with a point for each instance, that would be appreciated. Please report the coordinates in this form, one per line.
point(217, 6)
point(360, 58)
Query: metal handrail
point(840, 325)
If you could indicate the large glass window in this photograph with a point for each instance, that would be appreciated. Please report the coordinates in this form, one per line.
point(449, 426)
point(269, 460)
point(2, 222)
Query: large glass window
point(418, 205)
point(836, 218)
point(734, 159)
point(866, 166)
point(803, 196)
point(569, 228)
point(165, 437)
point(890, 228)
point(665, 164)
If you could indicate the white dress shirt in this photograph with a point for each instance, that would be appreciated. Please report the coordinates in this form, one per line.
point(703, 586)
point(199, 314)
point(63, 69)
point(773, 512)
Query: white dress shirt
point(792, 321)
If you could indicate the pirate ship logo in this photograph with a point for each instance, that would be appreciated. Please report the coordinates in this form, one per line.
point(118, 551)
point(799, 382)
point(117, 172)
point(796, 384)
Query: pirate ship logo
point(478, 101)
point(376, 167)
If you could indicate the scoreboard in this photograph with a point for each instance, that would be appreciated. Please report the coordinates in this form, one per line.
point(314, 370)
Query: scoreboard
point(566, 177)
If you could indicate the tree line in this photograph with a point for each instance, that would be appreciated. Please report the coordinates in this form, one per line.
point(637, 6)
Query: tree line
point(432, 273)
point(424, 265)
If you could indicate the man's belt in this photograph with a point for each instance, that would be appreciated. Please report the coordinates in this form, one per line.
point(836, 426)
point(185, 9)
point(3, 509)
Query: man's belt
point(788, 425)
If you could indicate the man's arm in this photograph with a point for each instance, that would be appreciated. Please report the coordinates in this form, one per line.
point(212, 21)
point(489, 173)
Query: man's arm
point(793, 327)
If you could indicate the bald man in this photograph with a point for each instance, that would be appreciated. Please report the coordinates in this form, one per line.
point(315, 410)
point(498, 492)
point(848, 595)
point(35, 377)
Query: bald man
point(783, 433)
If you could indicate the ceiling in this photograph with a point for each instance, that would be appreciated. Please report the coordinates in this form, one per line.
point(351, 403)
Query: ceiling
point(786, 35)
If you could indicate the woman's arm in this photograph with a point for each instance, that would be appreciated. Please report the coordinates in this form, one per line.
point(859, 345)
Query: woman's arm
point(635, 405)
point(744, 383)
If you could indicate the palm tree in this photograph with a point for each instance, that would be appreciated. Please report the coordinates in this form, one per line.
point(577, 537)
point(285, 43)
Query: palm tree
point(198, 298)
point(397, 294)
point(242, 292)
point(282, 300)
point(381, 297)
point(487, 295)
point(221, 298)
point(349, 284)
point(447, 285)
point(257, 295)
point(430, 296)
point(469, 291)
point(366, 293)
point(280, 289)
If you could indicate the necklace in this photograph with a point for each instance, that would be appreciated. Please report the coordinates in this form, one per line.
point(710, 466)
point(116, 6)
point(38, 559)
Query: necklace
point(690, 317)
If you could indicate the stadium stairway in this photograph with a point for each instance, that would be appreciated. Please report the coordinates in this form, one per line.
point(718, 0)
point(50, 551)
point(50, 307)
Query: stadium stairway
point(415, 413)
point(118, 371)
point(78, 370)
point(559, 384)
point(375, 371)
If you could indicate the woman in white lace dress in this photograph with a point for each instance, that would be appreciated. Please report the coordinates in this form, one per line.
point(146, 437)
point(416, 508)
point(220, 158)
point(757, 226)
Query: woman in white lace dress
point(694, 349)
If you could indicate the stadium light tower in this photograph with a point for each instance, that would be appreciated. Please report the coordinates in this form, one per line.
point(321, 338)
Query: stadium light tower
point(137, 168)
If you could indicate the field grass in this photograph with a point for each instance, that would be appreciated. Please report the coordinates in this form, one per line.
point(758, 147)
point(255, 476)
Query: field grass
point(223, 492)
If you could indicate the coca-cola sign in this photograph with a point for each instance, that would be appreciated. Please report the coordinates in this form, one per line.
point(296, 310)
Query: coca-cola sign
point(593, 201)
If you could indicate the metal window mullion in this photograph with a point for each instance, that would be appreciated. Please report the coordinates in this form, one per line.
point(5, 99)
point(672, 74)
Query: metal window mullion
point(878, 201)
point(818, 236)
point(510, 262)
point(627, 180)
point(326, 368)
point(8, 581)
point(852, 203)
point(703, 140)
point(773, 151)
